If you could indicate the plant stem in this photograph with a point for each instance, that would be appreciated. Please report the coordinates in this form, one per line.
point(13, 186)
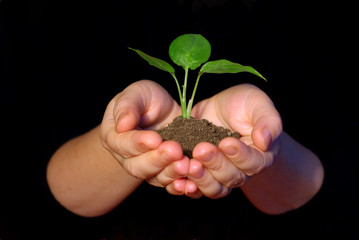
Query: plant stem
point(190, 103)
point(183, 100)
point(183, 103)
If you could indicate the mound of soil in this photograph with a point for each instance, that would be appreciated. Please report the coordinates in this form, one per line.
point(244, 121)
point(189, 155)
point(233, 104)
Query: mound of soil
point(190, 132)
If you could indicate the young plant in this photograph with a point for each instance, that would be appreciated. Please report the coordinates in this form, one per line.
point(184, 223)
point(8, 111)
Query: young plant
point(190, 51)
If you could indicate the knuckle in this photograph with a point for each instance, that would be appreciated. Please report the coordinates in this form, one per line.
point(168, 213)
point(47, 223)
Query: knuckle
point(217, 166)
point(207, 186)
point(171, 190)
point(214, 190)
point(154, 182)
point(133, 170)
point(155, 161)
point(259, 165)
point(238, 180)
point(119, 150)
point(255, 170)
point(221, 192)
point(239, 159)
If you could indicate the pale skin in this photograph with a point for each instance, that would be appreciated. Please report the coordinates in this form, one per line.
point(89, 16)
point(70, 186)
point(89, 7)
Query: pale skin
point(93, 173)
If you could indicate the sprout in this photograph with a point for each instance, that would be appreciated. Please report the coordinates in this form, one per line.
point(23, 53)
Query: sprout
point(190, 51)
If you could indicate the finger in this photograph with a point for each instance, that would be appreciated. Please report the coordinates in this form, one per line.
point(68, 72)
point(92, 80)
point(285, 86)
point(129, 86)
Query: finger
point(131, 143)
point(184, 186)
point(177, 187)
point(221, 168)
point(174, 178)
point(145, 104)
point(192, 190)
point(267, 126)
point(127, 119)
point(176, 170)
point(245, 157)
point(205, 181)
point(149, 164)
point(129, 106)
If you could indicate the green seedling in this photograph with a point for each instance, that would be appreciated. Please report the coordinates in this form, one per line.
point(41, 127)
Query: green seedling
point(190, 51)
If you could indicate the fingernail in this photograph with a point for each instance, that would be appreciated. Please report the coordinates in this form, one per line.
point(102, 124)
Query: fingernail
point(119, 118)
point(207, 156)
point(196, 171)
point(191, 187)
point(267, 136)
point(179, 186)
point(198, 174)
point(121, 115)
point(230, 150)
point(164, 155)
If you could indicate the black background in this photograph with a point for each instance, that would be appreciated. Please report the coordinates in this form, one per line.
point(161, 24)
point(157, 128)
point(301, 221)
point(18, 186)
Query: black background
point(62, 62)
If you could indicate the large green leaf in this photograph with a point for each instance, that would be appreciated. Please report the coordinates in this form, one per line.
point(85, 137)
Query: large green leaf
point(225, 66)
point(156, 62)
point(190, 51)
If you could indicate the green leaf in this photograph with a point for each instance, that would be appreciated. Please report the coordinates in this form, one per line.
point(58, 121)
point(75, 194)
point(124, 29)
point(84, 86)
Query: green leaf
point(156, 62)
point(225, 66)
point(190, 51)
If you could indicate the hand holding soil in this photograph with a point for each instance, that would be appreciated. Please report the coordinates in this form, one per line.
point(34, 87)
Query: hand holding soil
point(213, 171)
point(220, 160)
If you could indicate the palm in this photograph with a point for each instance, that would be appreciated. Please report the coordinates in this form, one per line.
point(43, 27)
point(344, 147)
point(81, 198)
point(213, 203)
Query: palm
point(239, 108)
point(248, 110)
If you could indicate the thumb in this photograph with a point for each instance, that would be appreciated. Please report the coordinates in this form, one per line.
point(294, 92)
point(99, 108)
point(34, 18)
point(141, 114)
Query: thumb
point(127, 120)
point(129, 105)
point(267, 128)
point(143, 104)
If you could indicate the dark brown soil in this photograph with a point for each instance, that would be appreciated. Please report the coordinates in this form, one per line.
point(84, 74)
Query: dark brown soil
point(190, 132)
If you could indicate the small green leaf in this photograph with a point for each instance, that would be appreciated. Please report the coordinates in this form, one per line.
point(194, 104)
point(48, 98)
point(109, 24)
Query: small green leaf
point(156, 62)
point(190, 51)
point(225, 66)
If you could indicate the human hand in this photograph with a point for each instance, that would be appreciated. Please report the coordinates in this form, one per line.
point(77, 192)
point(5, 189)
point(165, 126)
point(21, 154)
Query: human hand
point(145, 106)
point(126, 132)
point(248, 110)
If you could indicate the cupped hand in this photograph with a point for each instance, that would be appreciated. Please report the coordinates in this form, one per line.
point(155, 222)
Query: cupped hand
point(126, 132)
point(248, 110)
